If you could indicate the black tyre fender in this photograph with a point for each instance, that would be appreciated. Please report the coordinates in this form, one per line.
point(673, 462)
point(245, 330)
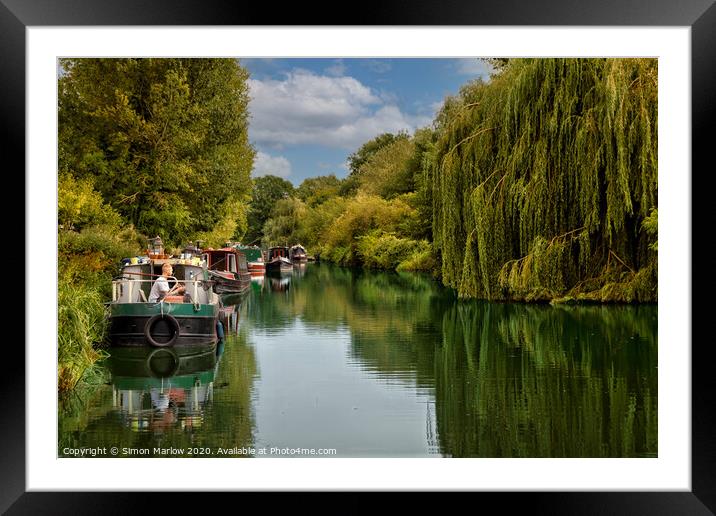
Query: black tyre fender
point(173, 324)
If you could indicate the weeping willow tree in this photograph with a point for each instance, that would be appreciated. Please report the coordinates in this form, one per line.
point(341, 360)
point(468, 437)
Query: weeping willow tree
point(542, 179)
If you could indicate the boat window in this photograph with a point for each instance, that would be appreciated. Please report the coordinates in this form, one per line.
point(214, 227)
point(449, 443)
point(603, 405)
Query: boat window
point(232, 263)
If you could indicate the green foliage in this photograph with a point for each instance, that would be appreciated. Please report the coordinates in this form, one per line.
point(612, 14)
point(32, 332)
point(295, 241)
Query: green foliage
point(284, 226)
point(542, 177)
point(80, 205)
point(420, 165)
point(497, 64)
point(386, 250)
point(385, 172)
point(651, 226)
point(362, 155)
point(92, 256)
point(316, 190)
point(165, 140)
point(363, 214)
point(317, 221)
point(90, 245)
point(82, 322)
point(379, 217)
point(232, 225)
point(422, 258)
point(267, 191)
point(87, 260)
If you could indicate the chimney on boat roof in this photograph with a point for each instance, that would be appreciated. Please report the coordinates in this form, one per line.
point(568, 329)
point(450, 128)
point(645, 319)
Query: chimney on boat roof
point(156, 246)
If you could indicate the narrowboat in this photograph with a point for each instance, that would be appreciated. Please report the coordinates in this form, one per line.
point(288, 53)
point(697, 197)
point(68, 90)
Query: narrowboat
point(255, 257)
point(136, 319)
point(229, 270)
point(278, 263)
point(297, 254)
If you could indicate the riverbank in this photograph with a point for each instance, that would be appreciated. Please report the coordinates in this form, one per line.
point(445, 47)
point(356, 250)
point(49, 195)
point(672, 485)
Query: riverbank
point(87, 261)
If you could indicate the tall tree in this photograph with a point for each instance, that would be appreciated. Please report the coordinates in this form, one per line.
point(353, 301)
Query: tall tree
point(268, 190)
point(543, 178)
point(386, 171)
point(284, 226)
point(363, 154)
point(166, 140)
point(315, 190)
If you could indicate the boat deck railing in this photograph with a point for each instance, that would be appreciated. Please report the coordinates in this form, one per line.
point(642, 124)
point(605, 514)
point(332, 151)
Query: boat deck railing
point(129, 290)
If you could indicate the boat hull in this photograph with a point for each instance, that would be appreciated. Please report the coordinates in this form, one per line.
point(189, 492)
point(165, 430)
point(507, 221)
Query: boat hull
point(297, 254)
point(238, 285)
point(148, 363)
point(279, 268)
point(171, 325)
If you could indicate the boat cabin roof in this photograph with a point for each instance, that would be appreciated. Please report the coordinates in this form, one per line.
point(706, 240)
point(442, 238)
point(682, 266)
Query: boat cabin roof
point(220, 259)
point(222, 250)
point(252, 253)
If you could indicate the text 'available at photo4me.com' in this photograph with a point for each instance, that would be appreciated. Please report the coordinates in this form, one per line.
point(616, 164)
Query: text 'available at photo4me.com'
point(248, 451)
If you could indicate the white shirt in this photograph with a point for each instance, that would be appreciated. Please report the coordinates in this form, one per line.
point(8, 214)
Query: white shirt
point(159, 289)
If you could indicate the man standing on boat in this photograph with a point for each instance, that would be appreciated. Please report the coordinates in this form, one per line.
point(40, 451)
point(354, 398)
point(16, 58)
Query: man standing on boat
point(160, 289)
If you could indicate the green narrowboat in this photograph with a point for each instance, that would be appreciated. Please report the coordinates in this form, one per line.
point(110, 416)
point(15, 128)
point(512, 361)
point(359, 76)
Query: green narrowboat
point(190, 319)
point(255, 257)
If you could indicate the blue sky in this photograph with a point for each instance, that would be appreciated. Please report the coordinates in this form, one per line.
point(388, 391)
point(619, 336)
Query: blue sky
point(309, 115)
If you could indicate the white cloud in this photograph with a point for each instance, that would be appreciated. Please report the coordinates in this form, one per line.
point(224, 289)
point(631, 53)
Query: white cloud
point(338, 68)
point(377, 65)
point(305, 108)
point(473, 67)
point(266, 164)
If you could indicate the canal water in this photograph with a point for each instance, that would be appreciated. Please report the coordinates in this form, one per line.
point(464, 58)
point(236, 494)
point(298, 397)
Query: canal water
point(352, 363)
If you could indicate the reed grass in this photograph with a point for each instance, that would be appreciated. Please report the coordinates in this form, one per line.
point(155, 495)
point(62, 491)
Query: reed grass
point(81, 323)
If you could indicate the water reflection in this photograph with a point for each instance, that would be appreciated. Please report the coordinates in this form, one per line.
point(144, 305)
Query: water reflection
point(540, 381)
point(390, 364)
point(230, 312)
point(501, 380)
point(281, 284)
point(158, 398)
point(155, 389)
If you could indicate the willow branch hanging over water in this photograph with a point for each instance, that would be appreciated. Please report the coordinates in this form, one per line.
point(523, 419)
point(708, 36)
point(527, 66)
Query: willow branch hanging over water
point(542, 179)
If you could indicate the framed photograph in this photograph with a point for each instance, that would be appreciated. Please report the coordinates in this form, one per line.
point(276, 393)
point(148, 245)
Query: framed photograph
point(585, 407)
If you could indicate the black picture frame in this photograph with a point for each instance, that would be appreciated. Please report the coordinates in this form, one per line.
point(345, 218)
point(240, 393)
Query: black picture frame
point(699, 15)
